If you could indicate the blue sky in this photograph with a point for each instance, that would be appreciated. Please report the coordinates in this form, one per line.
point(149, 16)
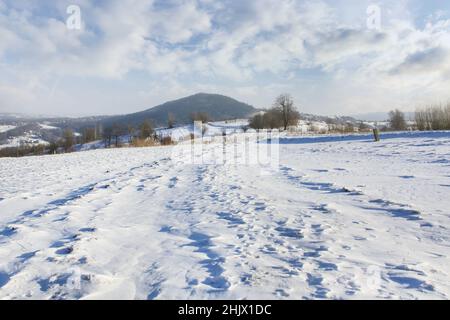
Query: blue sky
point(130, 55)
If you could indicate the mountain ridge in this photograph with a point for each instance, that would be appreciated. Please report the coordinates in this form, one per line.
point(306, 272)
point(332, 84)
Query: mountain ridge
point(218, 107)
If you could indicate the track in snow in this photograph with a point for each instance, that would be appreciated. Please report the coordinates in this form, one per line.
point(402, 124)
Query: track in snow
point(155, 228)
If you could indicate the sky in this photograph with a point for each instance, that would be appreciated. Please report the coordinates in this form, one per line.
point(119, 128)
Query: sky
point(335, 57)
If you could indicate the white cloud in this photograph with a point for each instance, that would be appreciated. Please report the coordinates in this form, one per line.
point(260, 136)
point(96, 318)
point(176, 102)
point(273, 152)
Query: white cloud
point(248, 49)
point(425, 61)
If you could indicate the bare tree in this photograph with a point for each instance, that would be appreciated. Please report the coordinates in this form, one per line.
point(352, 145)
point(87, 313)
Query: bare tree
point(285, 105)
point(397, 120)
point(170, 120)
point(130, 132)
point(437, 118)
point(146, 130)
point(421, 120)
point(69, 140)
point(433, 118)
point(98, 131)
point(257, 122)
point(107, 136)
point(273, 119)
point(89, 135)
point(447, 116)
point(117, 132)
point(53, 147)
point(200, 116)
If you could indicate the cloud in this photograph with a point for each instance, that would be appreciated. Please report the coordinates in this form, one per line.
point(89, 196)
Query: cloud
point(425, 61)
point(336, 47)
point(318, 50)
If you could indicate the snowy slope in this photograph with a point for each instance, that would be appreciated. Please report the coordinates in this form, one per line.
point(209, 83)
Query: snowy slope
point(48, 127)
point(5, 128)
point(211, 129)
point(28, 139)
point(336, 219)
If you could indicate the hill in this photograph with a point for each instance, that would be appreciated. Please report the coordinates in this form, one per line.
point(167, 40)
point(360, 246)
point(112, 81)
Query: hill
point(218, 108)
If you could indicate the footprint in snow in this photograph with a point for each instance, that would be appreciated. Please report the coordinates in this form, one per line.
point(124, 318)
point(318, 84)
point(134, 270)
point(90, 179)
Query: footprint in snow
point(316, 282)
point(322, 209)
point(410, 282)
point(4, 278)
point(260, 206)
point(246, 279)
point(281, 293)
point(173, 182)
point(26, 256)
point(233, 220)
point(326, 266)
point(317, 229)
point(426, 225)
point(8, 231)
point(64, 251)
point(311, 254)
point(289, 233)
point(82, 260)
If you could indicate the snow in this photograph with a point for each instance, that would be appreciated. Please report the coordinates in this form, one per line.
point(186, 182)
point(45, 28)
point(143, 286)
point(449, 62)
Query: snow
point(178, 133)
point(48, 127)
point(337, 218)
point(28, 139)
point(363, 137)
point(182, 133)
point(98, 144)
point(5, 128)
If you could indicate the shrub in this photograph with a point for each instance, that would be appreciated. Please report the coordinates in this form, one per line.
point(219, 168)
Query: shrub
point(166, 141)
point(140, 143)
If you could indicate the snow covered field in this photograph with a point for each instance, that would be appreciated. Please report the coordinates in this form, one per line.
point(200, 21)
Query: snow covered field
point(28, 139)
point(336, 219)
point(5, 128)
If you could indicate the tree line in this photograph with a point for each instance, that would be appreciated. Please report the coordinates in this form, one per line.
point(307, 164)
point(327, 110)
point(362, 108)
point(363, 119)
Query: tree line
point(137, 136)
point(433, 118)
point(282, 114)
point(114, 135)
point(110, 136)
